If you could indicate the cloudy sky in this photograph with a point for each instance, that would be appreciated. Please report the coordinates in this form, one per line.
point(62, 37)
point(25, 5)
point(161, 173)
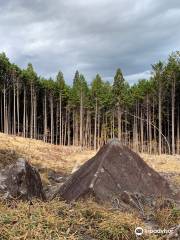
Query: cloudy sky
point(93, 36)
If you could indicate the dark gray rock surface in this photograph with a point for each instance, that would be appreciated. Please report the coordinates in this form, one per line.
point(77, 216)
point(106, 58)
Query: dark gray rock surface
point(113, 170)
point(20, 181)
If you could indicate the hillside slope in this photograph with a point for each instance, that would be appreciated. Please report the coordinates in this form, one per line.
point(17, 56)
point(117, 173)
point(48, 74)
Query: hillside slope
point(81, 220)
point(63, 159)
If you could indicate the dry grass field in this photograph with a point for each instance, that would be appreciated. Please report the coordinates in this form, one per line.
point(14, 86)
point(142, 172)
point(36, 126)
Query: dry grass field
point(81, 220)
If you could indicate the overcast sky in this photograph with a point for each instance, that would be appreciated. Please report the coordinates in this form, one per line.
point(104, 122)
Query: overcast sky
point(93, 36)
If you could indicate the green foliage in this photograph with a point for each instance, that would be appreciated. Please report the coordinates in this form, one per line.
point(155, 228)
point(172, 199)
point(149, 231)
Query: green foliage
point(99, 91)
point(4, 67)
point(31, 74)
point(101, 94)
point(119, 88)
point(79, 88)
point(60, 81)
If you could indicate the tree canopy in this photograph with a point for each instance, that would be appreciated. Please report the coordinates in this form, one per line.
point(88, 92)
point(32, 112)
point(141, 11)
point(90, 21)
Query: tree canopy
point(147, 112)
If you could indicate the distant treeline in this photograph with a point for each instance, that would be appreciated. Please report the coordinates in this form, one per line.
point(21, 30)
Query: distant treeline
point(145, 116)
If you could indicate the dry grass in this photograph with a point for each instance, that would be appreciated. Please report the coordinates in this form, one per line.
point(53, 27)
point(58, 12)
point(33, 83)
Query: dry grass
point(163, 163)
point(63, 158)
point(37, 152)
point(58, 220)
point(166, 217)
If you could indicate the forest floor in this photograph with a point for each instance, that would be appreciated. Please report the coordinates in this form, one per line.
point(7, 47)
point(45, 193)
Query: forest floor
point(84, 220)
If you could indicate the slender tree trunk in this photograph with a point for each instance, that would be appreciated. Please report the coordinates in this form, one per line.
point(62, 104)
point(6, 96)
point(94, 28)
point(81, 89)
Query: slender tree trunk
point(76, 129)
point(57, 116)
point(106, 127)
point(147, 122)
point(142, 132)
point(119, 122)
point(1, 127)
point(113, 135)
point(111, 125)
point(45, 117)
point(24, 114)
point(27, 124)
point(52, 119)
point(32, 111)
point(4, 101)
point(9, 113)
point(98, 129)
point(159, 118)
point(150, 134)
point(154, 130)
point(90, 131)
point(65, 127)
point(73, 127)
point(167, 125)
point(14, 107)
point(60, 118)
point(18, 106)
point(178, 134)
point(134, 133)
point(95, 126)
point(62, 130)
point(35, 115)
point(173, 111)
point(69, 131)
point(126, 131)
point(86, 129)
point(81, 120)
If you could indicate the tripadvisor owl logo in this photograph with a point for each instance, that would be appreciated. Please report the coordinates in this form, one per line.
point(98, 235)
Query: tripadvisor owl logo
point(139, 231)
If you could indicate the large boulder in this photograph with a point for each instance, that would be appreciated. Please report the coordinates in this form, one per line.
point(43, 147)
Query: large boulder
point(113, 171)
point(20, 180)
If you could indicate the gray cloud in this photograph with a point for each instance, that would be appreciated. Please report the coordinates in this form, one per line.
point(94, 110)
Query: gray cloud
point(93, 36)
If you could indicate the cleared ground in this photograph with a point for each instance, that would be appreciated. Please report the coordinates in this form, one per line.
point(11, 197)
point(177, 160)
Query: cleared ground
point(58, 220)
point(65, 158)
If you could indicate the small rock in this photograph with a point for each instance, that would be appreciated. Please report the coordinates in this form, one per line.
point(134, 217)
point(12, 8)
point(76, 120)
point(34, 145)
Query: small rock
point(56, 177)
point(20, 180)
